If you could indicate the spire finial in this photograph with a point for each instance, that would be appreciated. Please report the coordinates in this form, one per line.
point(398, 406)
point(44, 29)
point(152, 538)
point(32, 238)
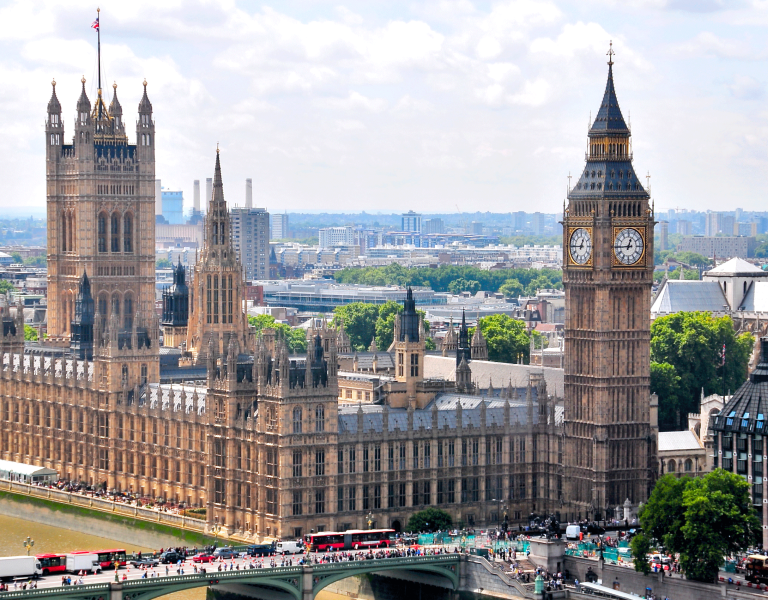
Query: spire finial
point(114, 85)
point(217, 147)
point(610, 53)
point(83, 80)
point(145, 84)
point(53, 83)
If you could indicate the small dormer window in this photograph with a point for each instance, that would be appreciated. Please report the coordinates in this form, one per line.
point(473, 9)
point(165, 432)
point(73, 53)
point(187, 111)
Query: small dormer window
point(593, 173)
point(621, 174)
point(83, 118)
point(613, 174)
point(599, 173)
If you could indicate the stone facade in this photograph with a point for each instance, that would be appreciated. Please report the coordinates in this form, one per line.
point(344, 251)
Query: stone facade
point(607, 276)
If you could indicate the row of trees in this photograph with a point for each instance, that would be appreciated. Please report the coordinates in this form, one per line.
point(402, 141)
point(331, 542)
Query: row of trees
point(456, 279)
point(363, 322)
point(296, 339)
point(701, 519)
point(687, 356)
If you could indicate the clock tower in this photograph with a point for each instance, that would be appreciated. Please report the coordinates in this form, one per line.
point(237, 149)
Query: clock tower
point(610, 445)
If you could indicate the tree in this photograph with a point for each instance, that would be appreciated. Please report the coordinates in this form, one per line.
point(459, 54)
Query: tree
point(460, 285)
point(36, 261)
point(641, 547)
point(295, 339)
point(692, 343)
point(702, 519)
point(385, 323)
point(30, 333)
point(511, 288)
point(430, 519)
point(17, 257)
point(163, 263)
point(506, 338)
point(359, 322)
point(6, 286)
point(665, 383)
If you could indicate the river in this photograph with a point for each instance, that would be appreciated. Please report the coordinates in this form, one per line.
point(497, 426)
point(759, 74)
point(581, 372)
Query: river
point(52, 539)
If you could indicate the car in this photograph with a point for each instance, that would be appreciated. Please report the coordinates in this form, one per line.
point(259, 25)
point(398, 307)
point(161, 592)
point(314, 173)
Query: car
point(170, 557)
point(261, 550)
point(203, 557)
point(145, 561)
point(224, 553)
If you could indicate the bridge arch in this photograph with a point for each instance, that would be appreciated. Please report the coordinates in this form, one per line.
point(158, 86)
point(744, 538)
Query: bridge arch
point(446, 566)
point(287, 579)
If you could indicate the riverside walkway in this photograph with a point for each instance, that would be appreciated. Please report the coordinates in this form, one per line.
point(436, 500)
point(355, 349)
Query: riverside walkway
point(301, 582)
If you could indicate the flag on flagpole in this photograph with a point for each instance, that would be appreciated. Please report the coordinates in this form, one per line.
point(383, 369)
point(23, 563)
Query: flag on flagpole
point(95, 24)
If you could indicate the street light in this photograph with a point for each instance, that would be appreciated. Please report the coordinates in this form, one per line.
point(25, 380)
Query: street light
point(28, 543)
point(369, 519)
point(215, 529)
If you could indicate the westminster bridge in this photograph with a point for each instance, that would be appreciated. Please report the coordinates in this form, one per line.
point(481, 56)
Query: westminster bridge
point(300, 582)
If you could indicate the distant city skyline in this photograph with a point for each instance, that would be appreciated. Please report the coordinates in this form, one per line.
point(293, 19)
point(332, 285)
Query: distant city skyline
point(390, 106)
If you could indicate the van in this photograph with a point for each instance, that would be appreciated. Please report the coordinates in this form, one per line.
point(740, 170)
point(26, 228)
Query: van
point(572, 532)
point(296, 547)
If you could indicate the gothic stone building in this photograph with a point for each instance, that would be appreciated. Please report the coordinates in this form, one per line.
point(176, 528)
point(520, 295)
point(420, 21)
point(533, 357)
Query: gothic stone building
point(231, 421)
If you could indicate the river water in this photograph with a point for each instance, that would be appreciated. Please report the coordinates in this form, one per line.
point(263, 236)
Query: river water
point(51, 539)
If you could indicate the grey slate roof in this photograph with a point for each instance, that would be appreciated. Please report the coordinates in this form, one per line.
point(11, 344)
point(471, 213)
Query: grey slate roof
point(446, 405)
point(677, 296)
point(737, 266)
point(747, 410)
point(756, 299)
point(670, 441)
point(485, 372)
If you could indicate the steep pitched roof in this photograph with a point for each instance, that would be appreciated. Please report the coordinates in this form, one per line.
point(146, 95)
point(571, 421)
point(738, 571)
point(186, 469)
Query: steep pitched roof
point(685, 295)
point(736, 266)
point(609, 118)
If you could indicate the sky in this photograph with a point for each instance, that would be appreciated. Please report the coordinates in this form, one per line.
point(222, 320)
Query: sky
point(434, 106)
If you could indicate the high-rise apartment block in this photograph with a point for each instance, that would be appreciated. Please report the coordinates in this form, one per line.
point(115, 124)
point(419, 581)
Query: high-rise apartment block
point(663, 235)
point(329, 237)
point(279, 226)
point(433, 226)
point(250, 238)
point(411, 221)
point(173, 206)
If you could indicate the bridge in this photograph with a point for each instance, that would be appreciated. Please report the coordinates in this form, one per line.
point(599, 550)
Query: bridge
point(300, 582)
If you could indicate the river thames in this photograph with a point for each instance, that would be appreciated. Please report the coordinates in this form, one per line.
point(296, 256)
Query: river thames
point(50, 539)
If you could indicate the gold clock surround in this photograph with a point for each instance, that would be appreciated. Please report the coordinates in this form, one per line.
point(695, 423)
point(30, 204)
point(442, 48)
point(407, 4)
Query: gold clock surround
point(571, 262)
point(618, 228)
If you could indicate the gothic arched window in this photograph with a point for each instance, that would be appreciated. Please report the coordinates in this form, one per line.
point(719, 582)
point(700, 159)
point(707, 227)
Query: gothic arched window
point(297, 420)
point(102, 232)
point(115, 232)
point(128, 311)
point(64, 235)
point(128, 233)
point(319, 418)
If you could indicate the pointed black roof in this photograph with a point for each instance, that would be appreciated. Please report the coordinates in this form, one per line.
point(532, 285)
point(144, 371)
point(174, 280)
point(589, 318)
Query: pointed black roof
point(218, 185)
point(114, 107)
point(747, 410)
point(83, 104)
point(609, 119)
point(145, 106)
point(54, 106)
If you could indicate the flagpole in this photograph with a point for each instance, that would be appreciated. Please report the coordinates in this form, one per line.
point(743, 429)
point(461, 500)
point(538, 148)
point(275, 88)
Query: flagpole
point(98, 45)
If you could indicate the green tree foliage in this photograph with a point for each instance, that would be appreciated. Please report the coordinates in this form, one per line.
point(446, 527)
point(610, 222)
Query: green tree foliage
point(512, 288)
point(506, 338)
point(440, 279)
point(702, 519)
point(363, 322)
point(30, 333)
point(665, 382)
point(532, 240)
point(163, 263)
point(6, 286)
point(36, 261)
point(692, 259)
point(692, 343)
point(17, 257)
point(385, 323)
point(359, 322)
point(641, 547)
point(457, 286)
point(430, 519)
point(296, 339)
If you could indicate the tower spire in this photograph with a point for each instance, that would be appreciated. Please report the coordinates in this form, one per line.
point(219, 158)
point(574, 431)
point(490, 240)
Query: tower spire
point(98, 58)
point(610, 53)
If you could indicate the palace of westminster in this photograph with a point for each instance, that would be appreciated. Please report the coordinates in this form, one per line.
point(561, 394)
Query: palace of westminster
point(195, 407)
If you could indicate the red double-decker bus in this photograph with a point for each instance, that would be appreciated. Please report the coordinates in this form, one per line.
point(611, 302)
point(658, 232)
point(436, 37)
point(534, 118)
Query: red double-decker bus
point(52, 563)
point(107, 558)
point(352, 539)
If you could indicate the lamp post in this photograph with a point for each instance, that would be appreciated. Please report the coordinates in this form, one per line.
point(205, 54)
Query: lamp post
point(215, 529)
point(369, 519)
point(28, 543)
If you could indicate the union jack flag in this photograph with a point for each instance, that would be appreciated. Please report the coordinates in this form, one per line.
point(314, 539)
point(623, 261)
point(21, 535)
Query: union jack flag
point(95, 24)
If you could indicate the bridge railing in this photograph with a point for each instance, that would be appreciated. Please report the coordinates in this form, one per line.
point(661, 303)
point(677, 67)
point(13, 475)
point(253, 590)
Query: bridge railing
point(95, 588)
point(103, 505)
point(392, 562)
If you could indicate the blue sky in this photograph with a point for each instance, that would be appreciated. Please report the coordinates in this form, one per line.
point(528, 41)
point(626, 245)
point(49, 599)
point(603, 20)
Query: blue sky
point(384, 106)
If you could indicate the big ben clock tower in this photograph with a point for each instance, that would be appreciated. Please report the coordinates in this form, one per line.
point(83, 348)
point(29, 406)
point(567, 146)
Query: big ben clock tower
point(607, 275)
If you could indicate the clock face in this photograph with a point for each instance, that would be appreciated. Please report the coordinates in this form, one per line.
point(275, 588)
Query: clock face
point(580, 246)
point(628, 246)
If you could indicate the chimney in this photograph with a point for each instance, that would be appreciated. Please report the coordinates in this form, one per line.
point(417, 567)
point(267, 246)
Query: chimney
point(249, 193)
point(208, 189)
point(197, 196)
point(158, 198)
